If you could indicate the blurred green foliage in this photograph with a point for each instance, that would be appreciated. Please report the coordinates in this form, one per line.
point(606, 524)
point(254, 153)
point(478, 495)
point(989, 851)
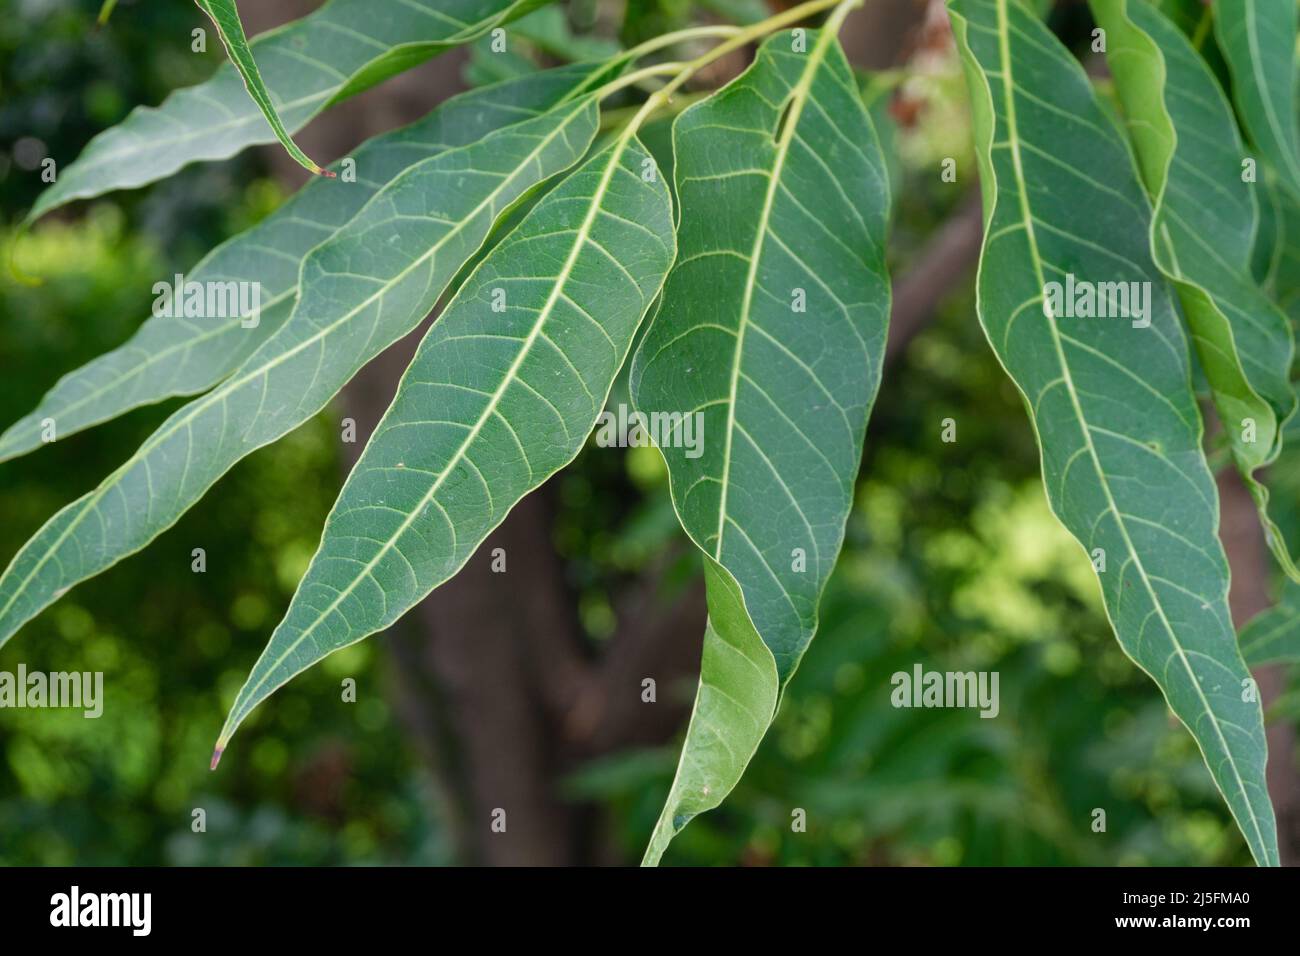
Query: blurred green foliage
point(952, 561)
point(321, 781)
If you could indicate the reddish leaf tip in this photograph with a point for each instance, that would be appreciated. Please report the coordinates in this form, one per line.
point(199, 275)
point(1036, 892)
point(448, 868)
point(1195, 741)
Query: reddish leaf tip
point(216, 758)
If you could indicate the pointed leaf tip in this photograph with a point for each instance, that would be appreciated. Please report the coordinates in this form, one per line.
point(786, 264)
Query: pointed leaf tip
point(216, 757)
point(344, 47)
point(225, 17)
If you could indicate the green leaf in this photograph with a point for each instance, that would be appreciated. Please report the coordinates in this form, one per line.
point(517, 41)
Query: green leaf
point(877, 95)
point(361, 290)
point(343, 48)
point(1277, 247)
point(1112, 405)
point(501, 395)
point(170, 356)
point(743, 12)
point(1195, 18)
point(225, 17)
point(1202, 233)
point(734, 705)
point(548, 30)
point(1273, 636)
point(772, 328)
point(1258, 39)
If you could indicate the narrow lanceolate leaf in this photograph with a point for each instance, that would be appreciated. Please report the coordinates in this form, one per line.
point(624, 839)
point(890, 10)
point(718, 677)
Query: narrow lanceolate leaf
point(737, 696)
point(225, 17)
point(361, 290)
point(1110, 397)
point(1273, 636)
point(1258, 39)
point(336, 52)
point(174, 355)
point(501, 394)
point(768, 345)
point(1202, 233)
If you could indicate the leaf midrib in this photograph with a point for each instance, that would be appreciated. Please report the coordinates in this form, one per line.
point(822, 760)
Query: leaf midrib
point(289, 293)
point(1008, 85)
point(1288, 147)
point(798, 97)
point(205, 403)
point(1162, 211)
point(580, 240)
point(253, 117)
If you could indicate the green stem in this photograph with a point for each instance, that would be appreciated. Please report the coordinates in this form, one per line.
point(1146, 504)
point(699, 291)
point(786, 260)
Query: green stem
point(770, 25)
point(736, 37)
point(681, 36)
point(615, 118)
point(636, 76)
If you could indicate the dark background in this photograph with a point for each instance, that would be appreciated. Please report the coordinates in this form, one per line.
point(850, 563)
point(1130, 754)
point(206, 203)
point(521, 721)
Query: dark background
point(526, 695)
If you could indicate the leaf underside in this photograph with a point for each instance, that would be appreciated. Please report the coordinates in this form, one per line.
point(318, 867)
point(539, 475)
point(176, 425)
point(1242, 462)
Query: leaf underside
point(364, 288)
point(772, 327)
point(225, 17)
point(173, 355)
point(1258, 39)
point(1277, 247)
point(773, 302)
point(339, 50)
point(1202, 234)
point(496, 400)
point(1112, 405)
